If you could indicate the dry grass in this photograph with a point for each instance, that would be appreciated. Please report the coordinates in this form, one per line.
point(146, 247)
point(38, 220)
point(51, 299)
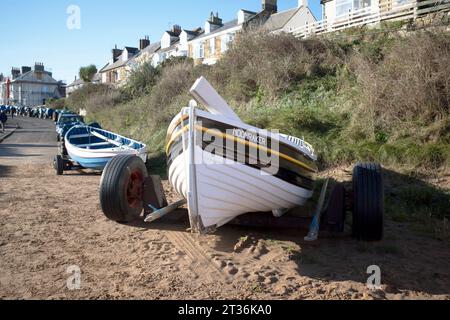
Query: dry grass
point(411, 83)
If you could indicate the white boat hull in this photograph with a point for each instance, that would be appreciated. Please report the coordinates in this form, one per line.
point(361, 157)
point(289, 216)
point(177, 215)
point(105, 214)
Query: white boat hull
point(219, 190)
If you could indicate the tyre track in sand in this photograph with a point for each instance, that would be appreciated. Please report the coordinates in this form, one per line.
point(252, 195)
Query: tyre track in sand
point(200, 259)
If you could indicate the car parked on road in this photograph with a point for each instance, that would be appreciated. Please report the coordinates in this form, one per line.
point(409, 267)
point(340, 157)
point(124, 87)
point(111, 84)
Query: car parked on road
point(65, 122)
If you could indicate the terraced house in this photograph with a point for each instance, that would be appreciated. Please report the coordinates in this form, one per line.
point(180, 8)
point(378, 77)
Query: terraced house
point(174, 43)
point(144, 55)
point(115, 71)
point(210, 46)
point(205, 45)
point(214, 42)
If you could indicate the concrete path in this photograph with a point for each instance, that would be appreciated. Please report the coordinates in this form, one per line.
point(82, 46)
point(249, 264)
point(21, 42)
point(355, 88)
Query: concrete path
point(33, 141)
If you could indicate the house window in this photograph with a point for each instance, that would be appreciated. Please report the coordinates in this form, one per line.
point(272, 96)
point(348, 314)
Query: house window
point(212, 46)
point(199, 51)
point(402, 2)
point(344, 7)
point(225, 41)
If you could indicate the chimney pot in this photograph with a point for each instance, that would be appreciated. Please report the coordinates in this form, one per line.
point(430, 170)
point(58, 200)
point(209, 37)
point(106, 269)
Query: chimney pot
point(25, 69)
point(39, 67)
point(144, 43)
point(270, 6)
point(116, 54)
point(176, 29)
point(15, 72)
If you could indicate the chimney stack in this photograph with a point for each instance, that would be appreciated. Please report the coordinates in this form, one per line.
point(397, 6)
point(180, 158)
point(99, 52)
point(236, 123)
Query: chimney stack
point(176, 29)
point(214, 19)
point(270, 6)
point(25, 69)
point(15, 72)
point(39, 67)
point(144, 43)
point(116, 54)
point(213, 23)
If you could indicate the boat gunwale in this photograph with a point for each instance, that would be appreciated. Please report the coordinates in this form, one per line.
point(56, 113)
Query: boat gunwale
point(142, 150)
point(238, 124)
point(247, 143)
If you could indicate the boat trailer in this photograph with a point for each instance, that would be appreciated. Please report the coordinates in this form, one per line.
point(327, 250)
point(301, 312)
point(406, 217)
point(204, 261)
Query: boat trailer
point(329, 216)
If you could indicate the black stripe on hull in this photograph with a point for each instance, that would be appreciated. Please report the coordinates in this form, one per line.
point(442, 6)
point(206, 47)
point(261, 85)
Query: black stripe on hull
point(286, 170)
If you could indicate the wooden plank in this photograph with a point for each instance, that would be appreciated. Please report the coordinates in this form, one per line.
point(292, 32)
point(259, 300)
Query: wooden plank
point(433, 9)
point(117, 144)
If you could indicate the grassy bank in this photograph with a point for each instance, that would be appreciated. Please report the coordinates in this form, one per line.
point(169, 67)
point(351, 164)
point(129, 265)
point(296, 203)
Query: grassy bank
point(378, 97)
point(384, 97)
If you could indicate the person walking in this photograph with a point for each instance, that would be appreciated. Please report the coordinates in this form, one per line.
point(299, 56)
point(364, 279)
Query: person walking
point(3, 119)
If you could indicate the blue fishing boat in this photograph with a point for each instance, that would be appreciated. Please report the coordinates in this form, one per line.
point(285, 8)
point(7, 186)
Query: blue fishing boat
point(91, 147)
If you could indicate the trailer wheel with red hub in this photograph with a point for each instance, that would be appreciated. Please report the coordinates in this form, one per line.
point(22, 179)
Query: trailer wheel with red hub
point(122, 187)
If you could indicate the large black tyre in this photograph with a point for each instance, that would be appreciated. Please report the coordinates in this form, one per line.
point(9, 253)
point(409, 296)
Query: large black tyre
point(121, 188)
point(368, 202)
point(58, 163)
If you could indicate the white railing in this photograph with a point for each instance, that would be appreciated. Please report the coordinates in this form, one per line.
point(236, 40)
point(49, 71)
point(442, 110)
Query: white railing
point(387, 10)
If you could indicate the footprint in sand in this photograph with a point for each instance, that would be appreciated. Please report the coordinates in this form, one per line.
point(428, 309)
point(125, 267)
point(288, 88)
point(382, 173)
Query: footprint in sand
point(258, 250)
point(227, 266)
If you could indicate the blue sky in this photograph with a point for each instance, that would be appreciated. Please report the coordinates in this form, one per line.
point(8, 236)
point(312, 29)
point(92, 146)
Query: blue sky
point(36, 30)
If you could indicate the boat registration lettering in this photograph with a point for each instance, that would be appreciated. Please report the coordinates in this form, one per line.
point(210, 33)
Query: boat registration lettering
point(249, 136)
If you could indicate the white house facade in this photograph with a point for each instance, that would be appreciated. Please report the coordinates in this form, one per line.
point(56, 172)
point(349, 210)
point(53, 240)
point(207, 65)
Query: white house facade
point(288, 20)
point(31, 87)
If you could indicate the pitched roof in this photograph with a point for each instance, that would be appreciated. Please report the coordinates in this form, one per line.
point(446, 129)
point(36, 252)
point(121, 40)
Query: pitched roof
point(193, 32)
point(76, 82)
point(173, 34)
point(110, 66)
point(28, 76)
point(97, 77)
point(151, 48)
point(279, 20)
point(227, 25)
point(173, 46)
point(132, 50)
point(120, 63)
point(248, 11)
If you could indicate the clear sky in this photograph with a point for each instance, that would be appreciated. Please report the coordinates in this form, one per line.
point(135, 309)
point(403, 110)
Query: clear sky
point(36, 30)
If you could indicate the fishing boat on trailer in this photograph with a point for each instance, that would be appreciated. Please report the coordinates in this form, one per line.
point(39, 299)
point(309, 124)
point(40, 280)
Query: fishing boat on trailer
point(91, 147)
point(221, 167)
point(226, 168)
